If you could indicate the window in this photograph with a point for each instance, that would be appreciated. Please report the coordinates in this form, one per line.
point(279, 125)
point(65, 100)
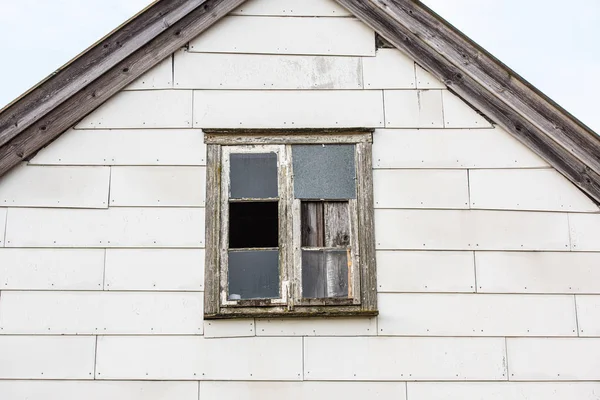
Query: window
point(289, 224)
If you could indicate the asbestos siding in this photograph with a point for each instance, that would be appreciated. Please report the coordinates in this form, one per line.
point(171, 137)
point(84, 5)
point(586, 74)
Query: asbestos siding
point(488, 260)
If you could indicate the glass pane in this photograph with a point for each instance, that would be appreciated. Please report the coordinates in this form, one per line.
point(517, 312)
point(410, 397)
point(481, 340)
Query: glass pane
point(324, 172)
point(253, 225)
point(253, 275)
point(253, 176)
point(325, 274)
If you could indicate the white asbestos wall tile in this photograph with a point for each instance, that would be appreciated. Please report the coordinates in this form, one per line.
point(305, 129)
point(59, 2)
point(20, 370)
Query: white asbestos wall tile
point(317, 327)
point(390, 69)
point(302, 390)
point(588, 315)
point(425, 271)
point(154, 269)
point(458, 114)
point(539, 272)
point(476, 315)
point(287, 109)
point(302, 8)
point(503, 391)
point(103, 313)
point(526, 189)
point(142, 109)
point(159, 77)
point(3, 222)
point(125, 147)
point(158, 187)
point(228, 328)
point(567, 359)
point(585, 230)
point(56, 269)
point(97, 390)
point(470, 230)
point(115, 227)
point(49, 357)
point(425, 80)
point(400, 359)
point(197, 358)
point(413, 109)
point(441, 189)
point(272, 35)
point(451, 148)
point(266, 72)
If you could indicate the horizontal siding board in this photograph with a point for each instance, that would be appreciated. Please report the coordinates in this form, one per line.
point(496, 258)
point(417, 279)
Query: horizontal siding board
point(154, 270)
point(97, 390)
point(588, 315)
point(401, 359)
point(458, 114)
point(451, 148)
point(55, 187)
point(476, 315)
point(287, 109)
point(158, 77)
point(585, 230)
point(289, 35)
point(503, 391)
point(49, 357)
point(228, 328)
point(470, 230)
point(566, 359)
point(390, 69)
point(101, 312)
point(142, 109)
point(526, 189)
point(538, 272)
point(425, 80)
point(56, 269)
point(440, 189)
point(115, 227)
point(303, 390)
point(413, 109)
point(125, 147)
point(158, 187)
point(317, 327)
point(195, 358)
point(304, 8)
point(425, 271)
point(266, 72)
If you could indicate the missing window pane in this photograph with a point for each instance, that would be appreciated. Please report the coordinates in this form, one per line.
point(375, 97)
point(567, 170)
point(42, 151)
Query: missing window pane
point(254, 176)
point(253, 275)
point(325, 274)
point(253, 225)
point(325, 224)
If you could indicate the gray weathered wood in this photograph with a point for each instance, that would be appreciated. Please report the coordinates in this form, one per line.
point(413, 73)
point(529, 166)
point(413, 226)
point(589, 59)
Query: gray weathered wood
point(337, 224)
point(212, 230)
point(312, 223)
point(289, 137)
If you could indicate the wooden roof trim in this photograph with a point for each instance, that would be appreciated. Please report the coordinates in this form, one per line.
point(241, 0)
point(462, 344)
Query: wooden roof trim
point(488, 85)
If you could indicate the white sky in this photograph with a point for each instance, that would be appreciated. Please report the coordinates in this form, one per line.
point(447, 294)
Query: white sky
point(553, 46)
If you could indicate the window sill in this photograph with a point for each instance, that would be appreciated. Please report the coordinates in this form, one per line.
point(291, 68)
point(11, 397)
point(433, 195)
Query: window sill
point(298, 312)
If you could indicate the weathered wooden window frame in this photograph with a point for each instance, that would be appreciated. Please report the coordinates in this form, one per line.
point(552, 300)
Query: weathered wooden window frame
point(220, 143)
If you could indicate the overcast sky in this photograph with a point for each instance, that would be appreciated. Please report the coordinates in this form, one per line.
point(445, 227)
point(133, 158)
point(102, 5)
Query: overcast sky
point(553, 46)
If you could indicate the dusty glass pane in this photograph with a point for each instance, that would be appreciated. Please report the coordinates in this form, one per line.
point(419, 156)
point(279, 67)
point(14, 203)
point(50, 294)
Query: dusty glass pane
point(325, 274)
point(324, 172)
point(253, 225)
point(253, 275)
point(253, 176)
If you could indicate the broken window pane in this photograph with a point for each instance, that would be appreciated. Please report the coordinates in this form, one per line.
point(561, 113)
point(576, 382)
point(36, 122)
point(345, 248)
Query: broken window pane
point(253, 176)
point(325, 273)
point(253, 225)
point(324, 172)
point(253, 275)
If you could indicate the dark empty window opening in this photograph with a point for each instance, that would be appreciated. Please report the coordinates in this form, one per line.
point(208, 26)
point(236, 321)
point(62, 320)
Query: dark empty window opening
point(254, 225)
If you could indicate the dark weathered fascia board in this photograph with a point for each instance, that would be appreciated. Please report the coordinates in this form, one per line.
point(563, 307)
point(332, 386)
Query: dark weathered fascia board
point(485, 83)
point(92, 64)
point(77, 106)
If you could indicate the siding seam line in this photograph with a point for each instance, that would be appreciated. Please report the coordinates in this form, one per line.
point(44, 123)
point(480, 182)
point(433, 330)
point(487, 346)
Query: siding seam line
point(507, 361)
point(303, 353)
point(104, 272)
point(576, 315)
point(5, 228)
point(568, 227)
point(475, 271)
point(384, 113)
point(95, 357)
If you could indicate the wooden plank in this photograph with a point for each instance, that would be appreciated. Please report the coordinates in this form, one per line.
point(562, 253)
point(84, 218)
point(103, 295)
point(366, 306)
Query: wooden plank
point(584, 230)
point(55, 187)
point(107, 313)
point(413, 109)
point(212, 276)
point(313, 224)
point(266, 136)
point(317, 327)
point(389, 69)
point(493, 315)
point(451, 148)
point(399, 359)
point(288, 109)
point(159, 77)
point(265, 72)
point(125, 147)
point(458, 114)
point(45, 269)
point(287, 35)
point(336, 224)
point(304, 8)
